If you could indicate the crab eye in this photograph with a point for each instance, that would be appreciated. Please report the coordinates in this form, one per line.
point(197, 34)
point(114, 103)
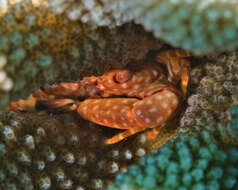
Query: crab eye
point(122, 76)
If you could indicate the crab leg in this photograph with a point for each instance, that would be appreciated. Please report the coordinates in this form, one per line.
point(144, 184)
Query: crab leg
point(154, 132)
point(63, 89)
point(131, 114)
point(83, 89)
point(114, 113)
point(124, 135)
point(111, 112)
point(178, 67)
point(185, 77)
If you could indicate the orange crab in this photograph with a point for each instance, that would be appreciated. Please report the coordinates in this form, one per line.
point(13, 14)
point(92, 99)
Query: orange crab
point(134, 100)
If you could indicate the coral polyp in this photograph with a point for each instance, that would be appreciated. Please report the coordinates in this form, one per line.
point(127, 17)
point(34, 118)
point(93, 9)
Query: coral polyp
point(39, 151)
point(198, 160)
point(45, 48)
point(198, 26)
point(213, 91)
point(6, 83)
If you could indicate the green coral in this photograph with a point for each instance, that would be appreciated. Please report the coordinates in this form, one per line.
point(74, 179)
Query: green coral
point(198, 161)
point(233, 125)
point(198, 26)
point(230, 133)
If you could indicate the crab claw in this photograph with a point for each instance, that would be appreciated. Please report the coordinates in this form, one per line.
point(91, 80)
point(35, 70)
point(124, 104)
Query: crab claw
point(23, 105)
point(30, 103)
point(56, 105)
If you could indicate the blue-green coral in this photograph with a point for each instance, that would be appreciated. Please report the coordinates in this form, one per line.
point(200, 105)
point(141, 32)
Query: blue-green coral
point(198, 26)
point(229, 134)
point(233, 125)
point(196, 161)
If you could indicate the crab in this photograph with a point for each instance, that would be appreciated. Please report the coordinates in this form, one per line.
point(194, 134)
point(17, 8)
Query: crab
point(136, 99)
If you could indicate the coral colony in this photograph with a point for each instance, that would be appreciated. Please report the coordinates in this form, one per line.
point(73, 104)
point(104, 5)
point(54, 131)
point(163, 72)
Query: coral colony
point(46, 42)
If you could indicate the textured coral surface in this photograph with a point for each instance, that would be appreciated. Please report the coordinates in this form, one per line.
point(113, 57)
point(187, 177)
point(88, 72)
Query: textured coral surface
point(199, 26)
point(213, 89)
point(198, 160)
point(42, 151)
point(38, 47)
point(45, 42)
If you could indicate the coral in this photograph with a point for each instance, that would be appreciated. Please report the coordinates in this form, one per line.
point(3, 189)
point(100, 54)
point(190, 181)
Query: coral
point(230, 132)
point(29, 42)
point(5, 82)
point(198, 160)
point(44, 48)
point(88, 11)
point(213, 91)
point(198, 26)
point(233, 125)
point(42, 151)
point(40, 45)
